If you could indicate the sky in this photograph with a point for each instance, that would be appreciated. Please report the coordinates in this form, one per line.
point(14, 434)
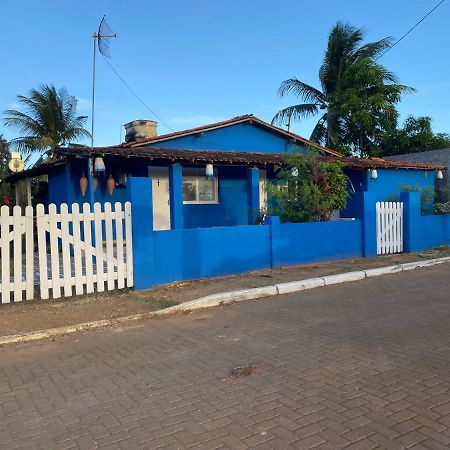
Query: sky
point(199, 61)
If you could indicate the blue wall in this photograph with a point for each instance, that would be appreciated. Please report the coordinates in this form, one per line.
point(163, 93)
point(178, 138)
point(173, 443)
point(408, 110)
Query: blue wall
point(232, 208)
point(295, 243)
point(422, 232)
point(389, 182)
point(57, 186)
point(208, 252)
point(64, 183)
point(184, 254)
point(386, 187)
point(201, 253)
point(238, 138)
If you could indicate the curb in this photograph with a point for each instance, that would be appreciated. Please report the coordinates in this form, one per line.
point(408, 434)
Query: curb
point(226, 298)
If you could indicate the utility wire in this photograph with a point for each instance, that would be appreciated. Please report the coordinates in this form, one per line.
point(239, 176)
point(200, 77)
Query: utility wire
point(136, 95)
point(411, 29)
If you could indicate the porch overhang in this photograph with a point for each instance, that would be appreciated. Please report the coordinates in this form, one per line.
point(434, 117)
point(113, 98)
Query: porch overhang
point(237, 158)
point(228, 158)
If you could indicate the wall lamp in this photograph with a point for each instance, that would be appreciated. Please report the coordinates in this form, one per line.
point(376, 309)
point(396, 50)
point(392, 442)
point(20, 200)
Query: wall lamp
point(373, 174)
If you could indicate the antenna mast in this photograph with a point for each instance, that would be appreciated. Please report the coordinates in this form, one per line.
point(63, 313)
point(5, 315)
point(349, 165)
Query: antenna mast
point(101, 39)
point(288, 125)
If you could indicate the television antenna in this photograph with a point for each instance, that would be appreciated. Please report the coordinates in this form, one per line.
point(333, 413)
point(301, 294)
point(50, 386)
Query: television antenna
point(102, 39)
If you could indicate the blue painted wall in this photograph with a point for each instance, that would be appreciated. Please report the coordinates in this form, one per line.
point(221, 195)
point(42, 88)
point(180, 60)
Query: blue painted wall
point(57, 186)
point(184, 254)
point(422, 232)
point(232, 208)
point(294, 243)
point(387, 187)
point(238, 138)
point(64, 183)
point(389, 182)
point(207, 252)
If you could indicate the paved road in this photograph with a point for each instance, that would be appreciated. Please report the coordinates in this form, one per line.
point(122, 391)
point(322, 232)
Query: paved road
point(362, 365)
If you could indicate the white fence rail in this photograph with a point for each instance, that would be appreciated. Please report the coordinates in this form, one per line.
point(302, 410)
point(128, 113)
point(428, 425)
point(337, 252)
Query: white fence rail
point(78, 251)
point(389, 227)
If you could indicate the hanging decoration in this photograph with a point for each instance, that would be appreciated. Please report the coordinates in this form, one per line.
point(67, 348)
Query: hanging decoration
point(95, 184)
point(111, 184)
point(374, 174)
point(99, 164)
point(209, 170)
point(83, 184)
point(440, 175)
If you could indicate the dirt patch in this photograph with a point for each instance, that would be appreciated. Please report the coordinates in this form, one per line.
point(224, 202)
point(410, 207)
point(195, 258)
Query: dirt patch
point(244, 371)
point(43, 314)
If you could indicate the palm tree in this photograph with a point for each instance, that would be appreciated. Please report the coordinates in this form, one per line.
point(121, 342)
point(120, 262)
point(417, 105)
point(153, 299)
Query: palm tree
point(49, 120)
point(343, 51)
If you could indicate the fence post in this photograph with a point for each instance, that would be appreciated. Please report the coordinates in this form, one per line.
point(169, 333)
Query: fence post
point(176, 196)
point(273, 222)
point(140, 195)
point(411, 212)
point(369, 223)
point(253, 195)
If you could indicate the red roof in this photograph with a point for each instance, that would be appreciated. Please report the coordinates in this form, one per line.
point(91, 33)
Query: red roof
point(248, 118)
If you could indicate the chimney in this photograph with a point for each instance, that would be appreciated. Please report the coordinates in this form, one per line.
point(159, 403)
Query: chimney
point(140, 130)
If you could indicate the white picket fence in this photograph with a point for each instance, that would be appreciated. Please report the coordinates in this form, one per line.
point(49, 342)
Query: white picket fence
point(78, 251)
point(12, 230)
point(389, 227)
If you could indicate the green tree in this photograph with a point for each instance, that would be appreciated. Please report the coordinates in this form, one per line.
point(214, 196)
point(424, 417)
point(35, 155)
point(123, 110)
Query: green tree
point(307, 190)
point(6, 193)
point(343, 68)
point(367, 106)
point(48, 121)
point(416, 135)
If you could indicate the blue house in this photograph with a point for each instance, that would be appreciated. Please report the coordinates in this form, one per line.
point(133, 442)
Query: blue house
point(239, 155)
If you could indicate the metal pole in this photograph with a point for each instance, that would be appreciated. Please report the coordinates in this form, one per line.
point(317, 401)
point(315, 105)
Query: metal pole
point(93, 94)
point(90, 167)
point(90, 162)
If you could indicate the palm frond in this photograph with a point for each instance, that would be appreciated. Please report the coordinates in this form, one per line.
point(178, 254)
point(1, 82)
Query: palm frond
point(302, 90)
point(295, 112)
point(319, 133)
point(373, 49)
point(48, 119)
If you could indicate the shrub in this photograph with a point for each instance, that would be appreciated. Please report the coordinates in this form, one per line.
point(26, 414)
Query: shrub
point(307, 190)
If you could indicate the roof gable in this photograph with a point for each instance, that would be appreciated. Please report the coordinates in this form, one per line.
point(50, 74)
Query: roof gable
point(242, 133)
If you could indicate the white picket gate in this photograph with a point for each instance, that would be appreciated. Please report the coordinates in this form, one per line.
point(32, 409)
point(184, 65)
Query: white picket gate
point(79, 238)
point(389, 227)
point(20, 278)
point(78, 251)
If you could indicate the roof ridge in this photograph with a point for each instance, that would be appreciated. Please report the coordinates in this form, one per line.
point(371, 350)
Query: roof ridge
point(232, 121)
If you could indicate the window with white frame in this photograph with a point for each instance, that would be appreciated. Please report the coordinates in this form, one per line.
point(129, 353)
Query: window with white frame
point(198, 188)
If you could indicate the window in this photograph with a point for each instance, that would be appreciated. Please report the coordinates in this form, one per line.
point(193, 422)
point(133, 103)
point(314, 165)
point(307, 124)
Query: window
point(199, 189)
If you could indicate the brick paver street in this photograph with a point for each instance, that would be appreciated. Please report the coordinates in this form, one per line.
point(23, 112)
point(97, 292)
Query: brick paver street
point(358, 366)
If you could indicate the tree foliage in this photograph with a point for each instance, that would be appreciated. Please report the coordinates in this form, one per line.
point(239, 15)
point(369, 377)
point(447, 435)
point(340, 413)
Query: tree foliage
point(416, 135)
point(6, 192)
point(307, 190)
point(47, 121)
point(357, 98)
